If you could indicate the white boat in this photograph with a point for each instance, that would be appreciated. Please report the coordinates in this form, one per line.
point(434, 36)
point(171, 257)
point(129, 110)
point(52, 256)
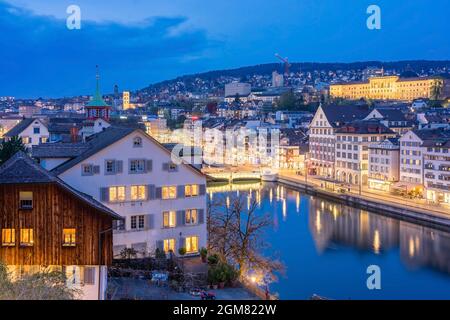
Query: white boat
point(269, 176)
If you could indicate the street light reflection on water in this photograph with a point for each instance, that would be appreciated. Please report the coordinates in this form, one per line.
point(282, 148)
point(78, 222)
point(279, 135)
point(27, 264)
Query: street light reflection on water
point(326, 247)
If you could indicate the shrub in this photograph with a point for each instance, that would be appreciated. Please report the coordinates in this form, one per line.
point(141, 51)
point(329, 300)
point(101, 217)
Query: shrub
point(182, 251)
point(213, 259)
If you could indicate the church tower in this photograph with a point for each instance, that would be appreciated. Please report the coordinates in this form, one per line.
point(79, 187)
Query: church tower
point(97, 107)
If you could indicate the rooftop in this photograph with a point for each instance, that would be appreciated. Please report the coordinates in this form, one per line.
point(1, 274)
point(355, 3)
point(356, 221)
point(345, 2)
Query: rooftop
point(21, 169)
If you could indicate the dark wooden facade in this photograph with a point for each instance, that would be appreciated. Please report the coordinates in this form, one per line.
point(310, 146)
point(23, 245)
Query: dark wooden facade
point(54, 208)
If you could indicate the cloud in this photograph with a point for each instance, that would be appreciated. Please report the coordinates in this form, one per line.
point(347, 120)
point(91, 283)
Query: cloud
point(41, 57)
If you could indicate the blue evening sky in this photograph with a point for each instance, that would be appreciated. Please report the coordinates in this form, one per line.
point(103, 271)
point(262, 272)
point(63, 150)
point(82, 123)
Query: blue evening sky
point(138, 42)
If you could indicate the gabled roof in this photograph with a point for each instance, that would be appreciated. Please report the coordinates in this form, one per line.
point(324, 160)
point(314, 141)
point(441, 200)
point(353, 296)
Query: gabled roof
point(59, 150)
point(392, 114)
point(20, 127)
point(21, 169)
point(338, 115)
point(104, 139)
point(365, 127)
point(96, 143)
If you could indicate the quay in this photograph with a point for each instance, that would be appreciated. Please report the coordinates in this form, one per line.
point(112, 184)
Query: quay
point(410, 210)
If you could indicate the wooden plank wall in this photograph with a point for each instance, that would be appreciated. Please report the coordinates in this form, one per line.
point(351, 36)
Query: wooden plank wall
point(54, 209)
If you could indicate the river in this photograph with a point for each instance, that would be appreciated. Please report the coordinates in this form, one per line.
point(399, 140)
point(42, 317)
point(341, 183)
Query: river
point(327, 247)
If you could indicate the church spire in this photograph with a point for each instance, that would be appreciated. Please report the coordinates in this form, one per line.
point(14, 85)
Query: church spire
point(97, 99)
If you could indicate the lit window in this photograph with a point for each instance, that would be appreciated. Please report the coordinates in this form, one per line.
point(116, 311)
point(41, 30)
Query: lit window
point(26, 237)
point(191, 190)
point(116, 194)
point(169, 192)
point(169, 219)
point(8, 237)
point(192, 244)
point(191, 216)
point(137, 222)
point(169, 245)
point(69, 237)
point(138, 193)
point(26, 199)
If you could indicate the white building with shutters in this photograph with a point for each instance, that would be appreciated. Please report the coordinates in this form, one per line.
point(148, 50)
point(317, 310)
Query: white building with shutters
point(163, 204)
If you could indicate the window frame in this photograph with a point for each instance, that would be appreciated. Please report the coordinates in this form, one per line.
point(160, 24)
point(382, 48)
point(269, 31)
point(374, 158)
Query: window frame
point(72, 237)
point(138, 188)
point(23, 206)
point(189, 190)
point(171, 219)
point(29, 234)
point(12, 237)
point(189, 240)
point(169, 195)
point(189, 221)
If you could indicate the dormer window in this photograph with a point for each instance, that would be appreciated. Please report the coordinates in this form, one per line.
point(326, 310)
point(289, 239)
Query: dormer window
point(137, 142)
point(26, 200)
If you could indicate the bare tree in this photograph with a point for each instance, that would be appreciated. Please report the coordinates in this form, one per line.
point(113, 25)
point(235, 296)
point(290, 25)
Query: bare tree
point(237, 234)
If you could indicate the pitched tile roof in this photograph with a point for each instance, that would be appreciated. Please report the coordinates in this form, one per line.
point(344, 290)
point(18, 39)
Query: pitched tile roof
point(96, 143)
point(59, 150)
point(22, 169)
point(338, 115)
point(365, 127)
point(18, 128)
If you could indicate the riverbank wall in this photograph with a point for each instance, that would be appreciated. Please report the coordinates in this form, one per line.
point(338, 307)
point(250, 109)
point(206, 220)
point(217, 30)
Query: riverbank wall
point(386, 208)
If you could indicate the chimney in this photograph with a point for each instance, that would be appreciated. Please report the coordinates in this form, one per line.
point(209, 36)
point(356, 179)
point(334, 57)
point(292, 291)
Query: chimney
point(73, 134)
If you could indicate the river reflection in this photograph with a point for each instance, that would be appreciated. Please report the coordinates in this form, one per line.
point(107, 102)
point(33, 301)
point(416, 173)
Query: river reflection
point(327, 246)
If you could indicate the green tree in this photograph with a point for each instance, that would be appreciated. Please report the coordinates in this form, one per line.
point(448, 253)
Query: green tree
point(289, 101)
point(10, 148)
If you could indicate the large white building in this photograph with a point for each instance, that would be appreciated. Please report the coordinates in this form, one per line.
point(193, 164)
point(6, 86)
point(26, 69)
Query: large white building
point(322, 139)
point(384, 160)
point(352, 149)
point(411, 160)
point(237, 88)
point(164, 204)
point(437, 168)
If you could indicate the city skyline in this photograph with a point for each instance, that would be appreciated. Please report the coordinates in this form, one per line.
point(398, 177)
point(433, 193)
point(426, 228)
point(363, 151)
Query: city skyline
point(147, 42)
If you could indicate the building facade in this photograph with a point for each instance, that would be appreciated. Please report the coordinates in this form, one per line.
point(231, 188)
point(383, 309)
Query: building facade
point(384, 160)
point(46, 225)
point(388, 88)
point(163, 203)
point(352, 149)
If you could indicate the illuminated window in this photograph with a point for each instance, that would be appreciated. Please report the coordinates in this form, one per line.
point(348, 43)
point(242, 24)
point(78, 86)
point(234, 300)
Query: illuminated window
point(169, 245)
point(26, 199)
point(169, 192)
point(8, 237)
point(69, 237)
point(116, 194)
point(191, 190)
point(192, 244)
point(191, 216)
point(169, 219)
point(26, 237)
point(138, 193)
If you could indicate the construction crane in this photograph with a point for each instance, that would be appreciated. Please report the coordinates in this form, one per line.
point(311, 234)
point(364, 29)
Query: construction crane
point(286, 63)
